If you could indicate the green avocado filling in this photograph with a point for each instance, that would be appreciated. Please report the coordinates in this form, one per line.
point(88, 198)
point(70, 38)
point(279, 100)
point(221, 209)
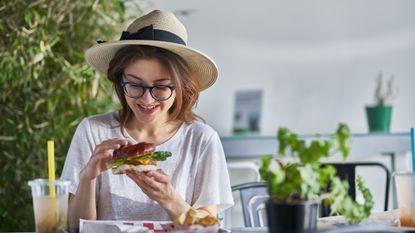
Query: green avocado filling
point(158, 156)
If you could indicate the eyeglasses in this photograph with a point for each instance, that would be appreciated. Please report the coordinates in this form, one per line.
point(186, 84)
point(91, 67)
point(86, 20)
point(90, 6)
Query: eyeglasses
point(158, 92)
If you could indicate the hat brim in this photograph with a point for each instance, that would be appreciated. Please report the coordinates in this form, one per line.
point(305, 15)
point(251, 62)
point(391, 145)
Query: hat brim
point(202, 67)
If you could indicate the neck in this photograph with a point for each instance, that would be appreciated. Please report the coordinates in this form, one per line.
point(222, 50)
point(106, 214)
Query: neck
point(156, 133)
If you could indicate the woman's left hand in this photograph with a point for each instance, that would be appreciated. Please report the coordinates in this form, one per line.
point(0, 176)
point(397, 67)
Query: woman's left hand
point(155, 184)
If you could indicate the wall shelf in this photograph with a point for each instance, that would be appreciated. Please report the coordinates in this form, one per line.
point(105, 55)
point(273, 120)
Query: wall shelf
point(253, 146)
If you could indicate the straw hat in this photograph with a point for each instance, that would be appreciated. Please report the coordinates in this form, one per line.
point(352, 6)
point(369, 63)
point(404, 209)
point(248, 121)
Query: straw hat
point(160, 29)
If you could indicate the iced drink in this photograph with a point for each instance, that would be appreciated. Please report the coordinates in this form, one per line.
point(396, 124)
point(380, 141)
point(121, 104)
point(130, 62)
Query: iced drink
point(404, 182)
point(50, 205)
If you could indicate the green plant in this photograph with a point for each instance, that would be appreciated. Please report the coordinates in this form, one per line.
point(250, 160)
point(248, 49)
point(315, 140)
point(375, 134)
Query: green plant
point(306, 179)
point(47, 88)
point(384, 91)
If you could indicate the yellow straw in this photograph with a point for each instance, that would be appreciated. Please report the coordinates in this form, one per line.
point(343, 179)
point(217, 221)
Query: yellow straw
point(51, 166)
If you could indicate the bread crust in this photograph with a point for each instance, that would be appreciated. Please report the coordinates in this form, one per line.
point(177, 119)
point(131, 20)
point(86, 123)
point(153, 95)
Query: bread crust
point(122, 169)
point(138, 149)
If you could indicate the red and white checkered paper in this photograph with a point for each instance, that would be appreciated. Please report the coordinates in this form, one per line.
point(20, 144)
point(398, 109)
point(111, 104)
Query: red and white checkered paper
point(95, 226)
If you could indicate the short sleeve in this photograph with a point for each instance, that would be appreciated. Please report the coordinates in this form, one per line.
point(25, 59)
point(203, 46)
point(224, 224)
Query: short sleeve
point(78, 155)
point(212, 178)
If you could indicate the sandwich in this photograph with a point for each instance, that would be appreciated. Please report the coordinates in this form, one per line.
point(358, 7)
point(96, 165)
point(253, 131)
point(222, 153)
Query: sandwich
point(139, 157)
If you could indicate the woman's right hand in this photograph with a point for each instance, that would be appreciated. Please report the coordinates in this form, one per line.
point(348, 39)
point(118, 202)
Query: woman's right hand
point(102, 155)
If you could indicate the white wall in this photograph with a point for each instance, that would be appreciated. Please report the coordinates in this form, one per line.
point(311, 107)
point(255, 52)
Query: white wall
point(316, 61)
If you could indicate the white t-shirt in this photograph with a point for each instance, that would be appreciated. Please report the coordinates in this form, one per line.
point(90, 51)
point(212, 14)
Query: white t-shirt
point(197, 169)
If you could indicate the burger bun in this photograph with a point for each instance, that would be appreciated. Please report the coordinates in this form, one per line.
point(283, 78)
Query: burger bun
point(124, 168)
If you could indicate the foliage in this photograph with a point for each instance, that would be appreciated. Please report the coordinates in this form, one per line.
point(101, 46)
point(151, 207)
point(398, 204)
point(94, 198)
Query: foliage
point(47, 88)
point(307, 179)
point(384, 93)
point(342, 203)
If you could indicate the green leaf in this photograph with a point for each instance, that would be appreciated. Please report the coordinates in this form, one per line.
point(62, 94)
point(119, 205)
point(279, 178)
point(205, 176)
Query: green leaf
point(47, 98)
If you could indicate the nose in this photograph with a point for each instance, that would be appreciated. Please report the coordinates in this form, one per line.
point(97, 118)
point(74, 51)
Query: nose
point(147, 98)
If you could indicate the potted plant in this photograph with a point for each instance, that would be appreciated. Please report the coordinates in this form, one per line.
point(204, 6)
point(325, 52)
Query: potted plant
point(379, 115)
point(296, 188)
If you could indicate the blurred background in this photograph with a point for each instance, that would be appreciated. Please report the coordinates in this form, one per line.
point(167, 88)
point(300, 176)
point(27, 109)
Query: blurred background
point(313, 64)
point(316, 62)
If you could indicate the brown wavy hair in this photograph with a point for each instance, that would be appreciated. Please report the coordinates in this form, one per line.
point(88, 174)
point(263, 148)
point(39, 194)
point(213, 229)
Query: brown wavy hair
point(186, 87)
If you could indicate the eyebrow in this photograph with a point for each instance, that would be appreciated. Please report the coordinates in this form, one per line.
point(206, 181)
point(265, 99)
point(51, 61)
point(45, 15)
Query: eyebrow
point(140, 79)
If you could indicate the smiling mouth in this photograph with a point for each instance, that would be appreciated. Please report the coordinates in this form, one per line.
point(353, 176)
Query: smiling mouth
point(147, 109)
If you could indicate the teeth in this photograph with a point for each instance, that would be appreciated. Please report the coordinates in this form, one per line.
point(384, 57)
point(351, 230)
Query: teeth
point(148, 107)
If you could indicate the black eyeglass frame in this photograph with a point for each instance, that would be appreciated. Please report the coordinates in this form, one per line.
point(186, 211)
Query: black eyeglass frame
point(145, 87)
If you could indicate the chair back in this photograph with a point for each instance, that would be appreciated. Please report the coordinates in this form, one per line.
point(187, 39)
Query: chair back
point(253, 197)
point(347, 171)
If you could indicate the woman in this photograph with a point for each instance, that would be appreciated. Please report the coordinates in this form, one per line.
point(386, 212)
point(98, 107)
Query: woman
point(157, 79)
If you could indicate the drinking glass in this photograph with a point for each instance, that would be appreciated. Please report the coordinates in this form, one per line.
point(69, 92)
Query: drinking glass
point(50, 205)
point(405, 187)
